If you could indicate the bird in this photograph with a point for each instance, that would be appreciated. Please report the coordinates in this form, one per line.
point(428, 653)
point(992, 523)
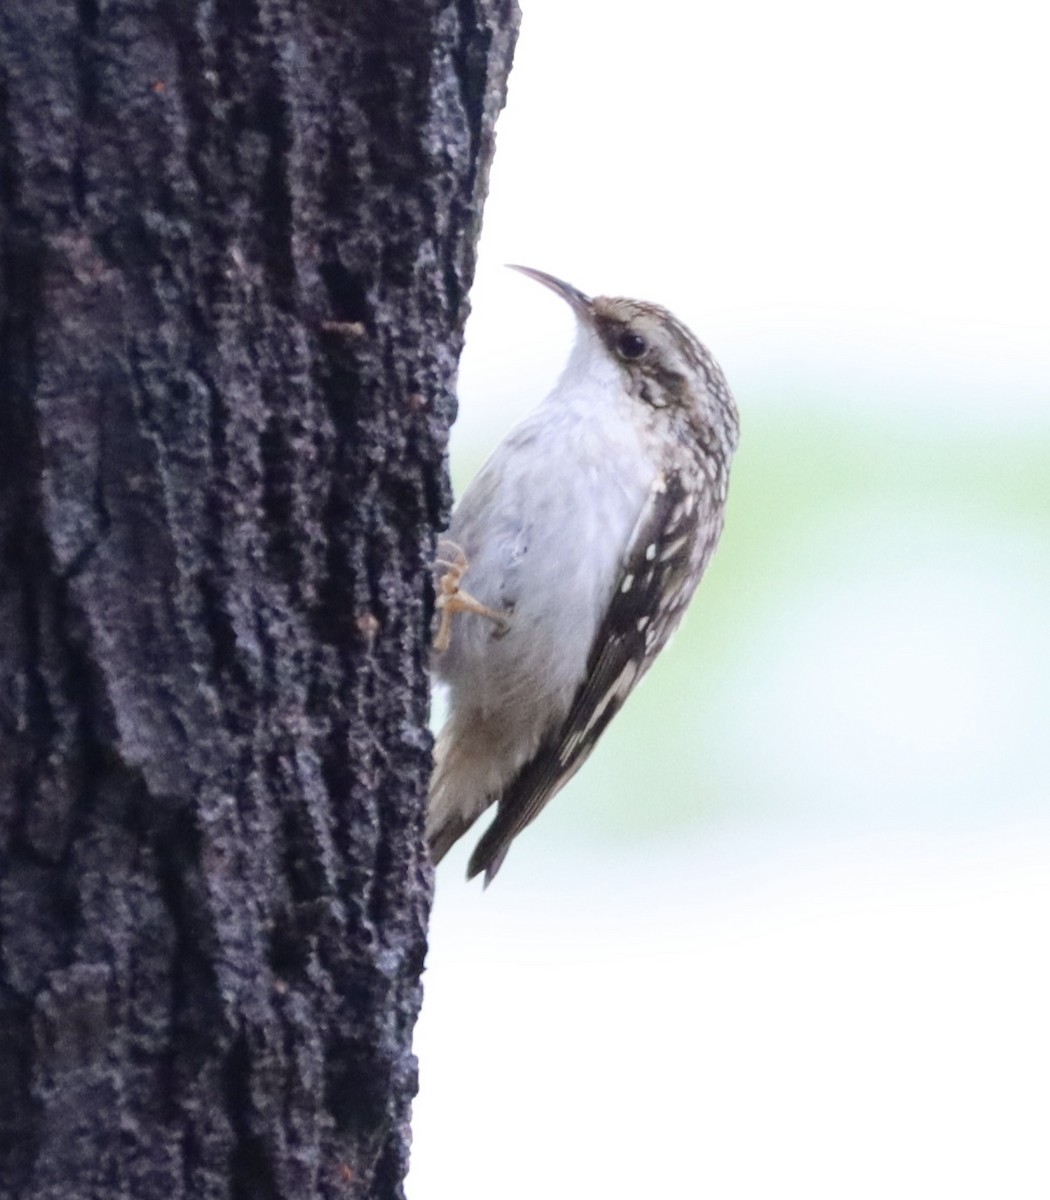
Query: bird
point(582, 540)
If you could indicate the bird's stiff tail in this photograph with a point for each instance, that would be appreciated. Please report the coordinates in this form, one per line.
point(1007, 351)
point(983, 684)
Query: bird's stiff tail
point(469, 775)
point(459, 788)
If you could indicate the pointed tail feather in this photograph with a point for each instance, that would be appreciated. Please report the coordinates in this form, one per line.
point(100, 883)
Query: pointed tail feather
point(441, 839)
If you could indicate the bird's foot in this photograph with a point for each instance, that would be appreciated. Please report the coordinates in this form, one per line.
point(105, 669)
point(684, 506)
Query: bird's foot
point(451, 599)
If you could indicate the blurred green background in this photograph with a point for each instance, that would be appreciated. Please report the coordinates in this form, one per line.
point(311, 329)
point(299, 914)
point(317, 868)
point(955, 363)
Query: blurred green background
point(873, 636)
point(870, 647)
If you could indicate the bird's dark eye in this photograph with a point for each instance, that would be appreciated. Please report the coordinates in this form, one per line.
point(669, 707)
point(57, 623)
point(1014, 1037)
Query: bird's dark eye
point(631, 345)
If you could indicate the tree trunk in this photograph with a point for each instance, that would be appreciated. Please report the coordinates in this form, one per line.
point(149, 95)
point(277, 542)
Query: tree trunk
point(236, 239)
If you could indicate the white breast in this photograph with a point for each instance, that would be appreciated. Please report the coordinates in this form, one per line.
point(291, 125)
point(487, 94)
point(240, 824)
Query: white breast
point(544, 527)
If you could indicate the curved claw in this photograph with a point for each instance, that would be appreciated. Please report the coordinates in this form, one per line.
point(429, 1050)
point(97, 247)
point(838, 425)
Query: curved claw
point(451, 599)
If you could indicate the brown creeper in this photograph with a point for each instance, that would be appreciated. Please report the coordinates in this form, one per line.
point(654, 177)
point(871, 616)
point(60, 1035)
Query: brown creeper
point(582, 541)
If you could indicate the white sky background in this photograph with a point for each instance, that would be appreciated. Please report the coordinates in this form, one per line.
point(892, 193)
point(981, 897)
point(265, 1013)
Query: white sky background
point(851, 206)
point(806, 184)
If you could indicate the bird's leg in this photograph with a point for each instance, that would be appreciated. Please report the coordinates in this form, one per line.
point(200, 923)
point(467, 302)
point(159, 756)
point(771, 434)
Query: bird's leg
point(451, 599)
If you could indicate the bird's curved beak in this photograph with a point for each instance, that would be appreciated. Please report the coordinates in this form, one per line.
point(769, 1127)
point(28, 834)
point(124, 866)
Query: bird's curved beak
point(579, 302)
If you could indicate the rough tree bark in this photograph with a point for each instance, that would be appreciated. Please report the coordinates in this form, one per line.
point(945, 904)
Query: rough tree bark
point(236, 238)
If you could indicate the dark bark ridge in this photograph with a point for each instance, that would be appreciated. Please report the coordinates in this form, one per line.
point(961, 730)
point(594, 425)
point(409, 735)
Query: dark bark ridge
point(236, 239)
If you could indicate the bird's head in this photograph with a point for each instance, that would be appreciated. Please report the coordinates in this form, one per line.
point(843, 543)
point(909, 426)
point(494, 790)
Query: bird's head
point(662, 363)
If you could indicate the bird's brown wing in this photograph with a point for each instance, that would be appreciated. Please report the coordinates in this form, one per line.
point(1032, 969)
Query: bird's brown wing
point(657, 578)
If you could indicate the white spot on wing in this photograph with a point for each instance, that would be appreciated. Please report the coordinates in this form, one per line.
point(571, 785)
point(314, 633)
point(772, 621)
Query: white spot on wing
point(623, 684)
